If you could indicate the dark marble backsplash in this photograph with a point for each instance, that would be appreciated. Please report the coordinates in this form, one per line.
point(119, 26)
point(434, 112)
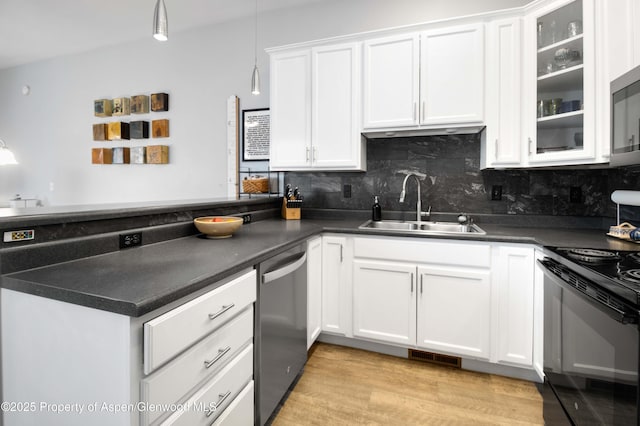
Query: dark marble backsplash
point(456, 184)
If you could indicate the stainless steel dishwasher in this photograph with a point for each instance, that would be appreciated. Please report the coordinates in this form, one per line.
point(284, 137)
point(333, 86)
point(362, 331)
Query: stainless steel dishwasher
point(281, 327)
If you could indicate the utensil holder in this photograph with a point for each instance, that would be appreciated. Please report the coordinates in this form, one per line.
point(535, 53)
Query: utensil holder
point(291, 209)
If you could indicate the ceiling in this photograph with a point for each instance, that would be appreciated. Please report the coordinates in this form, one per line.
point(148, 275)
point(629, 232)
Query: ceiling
point(33, 30)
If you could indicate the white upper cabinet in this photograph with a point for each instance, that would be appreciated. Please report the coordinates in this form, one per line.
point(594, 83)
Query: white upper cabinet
point(504, 84)
point(290, 109)
point(429, 79)
point(336, 141)
point(561, 89)
point(452, 75)
point(391, 81)
point(623, 44)
point(315, 109)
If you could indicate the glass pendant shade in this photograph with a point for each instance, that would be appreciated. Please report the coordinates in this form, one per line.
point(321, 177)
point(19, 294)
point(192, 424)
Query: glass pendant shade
point(6, 156)
point(160, 23)
point(255, 81)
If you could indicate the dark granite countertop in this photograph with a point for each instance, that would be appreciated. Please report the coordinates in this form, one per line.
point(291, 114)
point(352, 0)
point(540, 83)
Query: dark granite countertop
point(138, 280)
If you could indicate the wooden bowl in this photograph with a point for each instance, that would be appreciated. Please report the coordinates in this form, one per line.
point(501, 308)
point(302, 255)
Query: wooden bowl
point(217, 226)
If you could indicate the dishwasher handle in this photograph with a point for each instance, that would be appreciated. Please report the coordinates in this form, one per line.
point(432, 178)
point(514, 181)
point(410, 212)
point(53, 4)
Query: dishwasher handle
point(285, 270)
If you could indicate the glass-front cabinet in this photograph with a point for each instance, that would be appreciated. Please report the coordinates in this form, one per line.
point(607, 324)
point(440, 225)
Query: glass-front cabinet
point(560, 86)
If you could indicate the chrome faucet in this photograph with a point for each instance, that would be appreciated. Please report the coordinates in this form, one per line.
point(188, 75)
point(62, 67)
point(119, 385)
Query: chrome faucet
point(419, 212)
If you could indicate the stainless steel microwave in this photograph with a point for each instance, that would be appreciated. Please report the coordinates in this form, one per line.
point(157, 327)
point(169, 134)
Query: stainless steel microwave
point(625, 119)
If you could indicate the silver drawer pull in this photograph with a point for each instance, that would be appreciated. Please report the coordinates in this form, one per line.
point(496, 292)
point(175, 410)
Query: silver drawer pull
point(221, 353)
point(221, 311)
point(221, 398)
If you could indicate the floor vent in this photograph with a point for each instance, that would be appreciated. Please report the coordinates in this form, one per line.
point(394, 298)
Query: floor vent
point(449, 361)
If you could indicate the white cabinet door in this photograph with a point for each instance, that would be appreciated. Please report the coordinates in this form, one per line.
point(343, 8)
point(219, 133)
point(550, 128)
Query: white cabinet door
point(336, 140)
point(503, 137)
point(454, 311)
point(314, 289)
point(384, 301)
point(622, 35)
point(567, 136)
point(391, 81)
point(290, 81)
point(452, 75)
point(335, 286)
point(515, 283)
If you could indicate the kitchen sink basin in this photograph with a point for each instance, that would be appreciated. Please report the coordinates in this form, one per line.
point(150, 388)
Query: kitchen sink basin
point(422, 227)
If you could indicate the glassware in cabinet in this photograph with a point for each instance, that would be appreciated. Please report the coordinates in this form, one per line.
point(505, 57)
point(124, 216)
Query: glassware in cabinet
point(560, 80)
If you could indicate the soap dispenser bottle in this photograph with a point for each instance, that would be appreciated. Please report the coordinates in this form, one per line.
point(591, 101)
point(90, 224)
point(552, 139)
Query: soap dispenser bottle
point(376, 210)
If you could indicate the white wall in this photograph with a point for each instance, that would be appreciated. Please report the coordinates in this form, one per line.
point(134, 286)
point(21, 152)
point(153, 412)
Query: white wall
point(50, 131)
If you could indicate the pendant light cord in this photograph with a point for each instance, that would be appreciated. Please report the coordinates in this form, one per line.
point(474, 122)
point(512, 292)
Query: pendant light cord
point(255, 41)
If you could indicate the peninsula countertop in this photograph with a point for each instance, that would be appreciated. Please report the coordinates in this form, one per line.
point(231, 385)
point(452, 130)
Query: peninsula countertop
point(137, 280)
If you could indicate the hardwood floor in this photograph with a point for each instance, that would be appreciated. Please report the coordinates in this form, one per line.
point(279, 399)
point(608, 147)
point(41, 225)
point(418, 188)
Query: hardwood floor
point(345, 386)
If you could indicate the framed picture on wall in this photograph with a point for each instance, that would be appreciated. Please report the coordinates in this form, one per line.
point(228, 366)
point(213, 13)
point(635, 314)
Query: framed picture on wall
point(255, 134)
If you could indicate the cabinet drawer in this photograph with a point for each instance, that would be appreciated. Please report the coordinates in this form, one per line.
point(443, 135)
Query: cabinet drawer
point(171, 383)
point(412, 250)
point(176, 330)
point(217, 394)
point(240, 411)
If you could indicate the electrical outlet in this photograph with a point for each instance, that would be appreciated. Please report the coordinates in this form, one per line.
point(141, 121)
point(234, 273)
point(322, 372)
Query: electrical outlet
point(575, 194)
point(15, 236)
point(496, 192)
point(346, 191)
point(246, 218)
point(130, 240)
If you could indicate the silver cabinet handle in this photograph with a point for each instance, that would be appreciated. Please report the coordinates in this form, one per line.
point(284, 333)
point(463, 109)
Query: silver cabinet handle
point(221, 398)
point(530, 144)
point(412, 283)
point(415, 107)
point(341, 257)
point(424, 107)
point(224, 309)
point(314, 158)
point(496, 149)
point(221, 353)
point(421, 276)
point(307, 160)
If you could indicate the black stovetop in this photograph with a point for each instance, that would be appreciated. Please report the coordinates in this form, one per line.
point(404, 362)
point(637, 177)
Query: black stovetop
point(617, 271)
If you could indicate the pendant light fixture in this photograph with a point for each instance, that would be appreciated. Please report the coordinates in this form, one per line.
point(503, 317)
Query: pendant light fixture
point(6, 156)
point(160, 23)
point(255, 78)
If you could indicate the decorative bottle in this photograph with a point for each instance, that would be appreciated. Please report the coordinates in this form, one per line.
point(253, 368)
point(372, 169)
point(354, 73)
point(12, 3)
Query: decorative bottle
point(376, 210)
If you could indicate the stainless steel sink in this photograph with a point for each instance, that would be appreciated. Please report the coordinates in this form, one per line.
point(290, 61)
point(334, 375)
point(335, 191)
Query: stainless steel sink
point(422, 227)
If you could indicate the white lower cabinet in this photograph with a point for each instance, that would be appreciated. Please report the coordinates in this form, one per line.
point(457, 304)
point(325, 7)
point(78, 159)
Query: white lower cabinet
point(384, 301)
point(170, 384)
point(314, 289)
point(200, 360)
point(217, 394)
point(336, 279)
point(198, 385)
point(515, 279)
point(454, 311)
point(240, 411)
point(472, 299)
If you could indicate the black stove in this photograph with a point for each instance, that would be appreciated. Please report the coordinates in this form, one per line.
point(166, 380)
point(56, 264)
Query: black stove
point(616, 271)
point(591, 337)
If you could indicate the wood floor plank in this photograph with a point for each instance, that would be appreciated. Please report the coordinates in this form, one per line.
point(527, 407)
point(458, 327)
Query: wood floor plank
point(346, 386)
